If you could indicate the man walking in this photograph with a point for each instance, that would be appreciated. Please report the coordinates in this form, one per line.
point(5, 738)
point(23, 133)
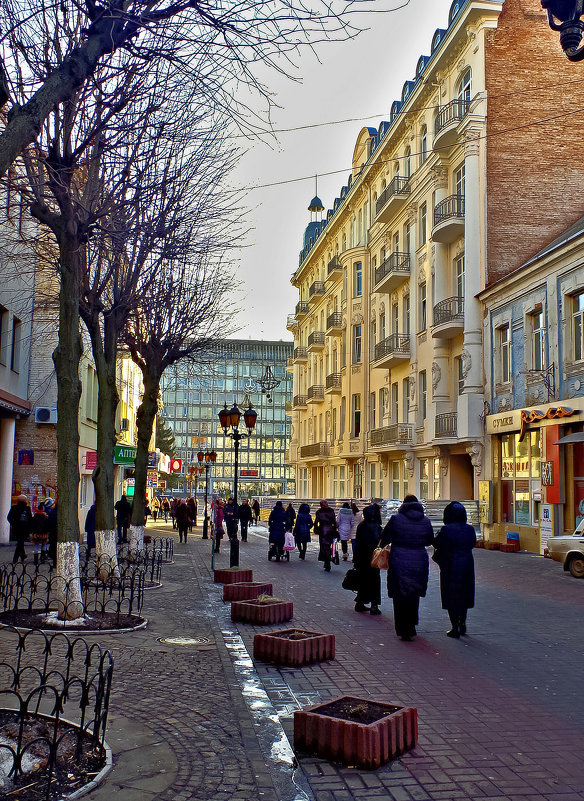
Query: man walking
point(20, 519)
point(123, 512)
point(245, 518)
point(231, 516)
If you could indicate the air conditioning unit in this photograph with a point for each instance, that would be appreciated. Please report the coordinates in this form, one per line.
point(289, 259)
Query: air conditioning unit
point(125, 424)
point(43, 414)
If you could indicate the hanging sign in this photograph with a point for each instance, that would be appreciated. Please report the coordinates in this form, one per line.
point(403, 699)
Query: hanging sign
point(125, 455)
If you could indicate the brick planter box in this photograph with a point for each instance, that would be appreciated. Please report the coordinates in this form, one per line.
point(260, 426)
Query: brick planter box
point(480, 544)
point(376, 733)
point(227, 576)
point(260, 614)
point(493, 546)
point(510, 547)
point(294, 647)
point(244, 590)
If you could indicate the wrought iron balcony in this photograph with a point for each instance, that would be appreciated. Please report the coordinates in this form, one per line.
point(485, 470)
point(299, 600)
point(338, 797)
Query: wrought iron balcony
point(291, 322)
point(299, 402)
point(301, 309)
point(447, 121)
point(318, 449)
point(316, 291)
point(397, 434)
point(315, 341)
point(333, 383)
point(392, 198)
point(391, 351)
point(334, 324)
point(334, 268)
point(315, 394)
point(392, 272)
point(300, 355)
point(446, 425)
point(448, 219)
point(448, 318)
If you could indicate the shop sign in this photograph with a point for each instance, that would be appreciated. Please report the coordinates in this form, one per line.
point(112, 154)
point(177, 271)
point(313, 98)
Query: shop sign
point(546, 524)
point(176, 465)
point(527, 417)
point(130, 482)
point(485, 502)
point(125, 455)
point(152, 459)
point(162, 484)
point(26, 457)
point(90, 460)
point(547, 474)
point(151, 483)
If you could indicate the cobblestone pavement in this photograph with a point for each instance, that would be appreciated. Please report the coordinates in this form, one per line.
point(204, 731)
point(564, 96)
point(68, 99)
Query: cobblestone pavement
point(500, 711)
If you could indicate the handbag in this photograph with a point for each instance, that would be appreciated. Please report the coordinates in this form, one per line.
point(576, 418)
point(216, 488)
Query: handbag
point(289, 544)
point(351, 580)
point(380, 558)
point(335, 553)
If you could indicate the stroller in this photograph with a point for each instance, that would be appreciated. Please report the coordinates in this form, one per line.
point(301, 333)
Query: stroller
point(289, 545)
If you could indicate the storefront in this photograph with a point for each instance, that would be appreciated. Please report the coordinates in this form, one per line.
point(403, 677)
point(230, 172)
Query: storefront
point(536, 463)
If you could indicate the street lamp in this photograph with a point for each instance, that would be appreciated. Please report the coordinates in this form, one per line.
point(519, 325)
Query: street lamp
point(564, 16)
point(206, 459)
point(230, 418)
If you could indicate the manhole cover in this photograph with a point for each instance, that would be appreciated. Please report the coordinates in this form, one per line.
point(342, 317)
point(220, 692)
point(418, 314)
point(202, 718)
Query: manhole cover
point(184, 640)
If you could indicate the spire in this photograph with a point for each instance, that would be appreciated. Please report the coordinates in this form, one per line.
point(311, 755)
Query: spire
point(315, 206)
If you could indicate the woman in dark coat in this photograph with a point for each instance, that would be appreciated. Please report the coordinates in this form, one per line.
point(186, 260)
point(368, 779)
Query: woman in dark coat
point(409, 532)
point(366, 540)
point(325, 525)
point(302, 528)
point(453, 553)
point(277, 529)
point(290, 517)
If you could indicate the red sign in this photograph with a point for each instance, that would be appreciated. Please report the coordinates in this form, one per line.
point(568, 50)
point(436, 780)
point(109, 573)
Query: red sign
point(176, 465)
point(248, 473)
point(91, 460)
point(535, 415)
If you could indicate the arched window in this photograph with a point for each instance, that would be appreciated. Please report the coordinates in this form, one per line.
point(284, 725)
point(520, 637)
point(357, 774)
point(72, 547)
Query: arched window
point(463, 87)
point(408, 163)
point(423, 144)
point(395, 168)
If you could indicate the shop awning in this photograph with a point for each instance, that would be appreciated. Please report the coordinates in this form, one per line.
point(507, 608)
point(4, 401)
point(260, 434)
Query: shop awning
point(570, 438)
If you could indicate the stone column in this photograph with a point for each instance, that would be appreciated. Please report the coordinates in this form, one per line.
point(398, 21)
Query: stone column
point(7, 428)
point(412, 211)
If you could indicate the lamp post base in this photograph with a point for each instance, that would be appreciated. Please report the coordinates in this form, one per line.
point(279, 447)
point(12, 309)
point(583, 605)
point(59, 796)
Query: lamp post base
point(234, 553)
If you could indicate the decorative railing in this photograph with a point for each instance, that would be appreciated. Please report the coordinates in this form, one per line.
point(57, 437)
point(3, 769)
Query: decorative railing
point(446, 425)
point(291, 321)
point(300, 353)
point(397, 186)
point(334, 381)
point(398, 434)
point(333, 265)
point(334, 320)
point(447, 310)
point(316, 338)
point(317, 449)
point(452, 206)
point(301, 308)
point(299, 400)
point(451, 112)
point(316, 288)
point(395, 263)
point(316, 392)
point(396, 344)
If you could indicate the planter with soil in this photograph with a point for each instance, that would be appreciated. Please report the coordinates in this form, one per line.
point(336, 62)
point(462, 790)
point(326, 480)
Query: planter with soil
point(245, 590)
point(262, 610)
point(354, 731)
point(294, 647)
point(232, 575)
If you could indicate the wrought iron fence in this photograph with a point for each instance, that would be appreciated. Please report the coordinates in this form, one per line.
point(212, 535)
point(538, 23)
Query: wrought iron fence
point(447, 310)
point(451, 112)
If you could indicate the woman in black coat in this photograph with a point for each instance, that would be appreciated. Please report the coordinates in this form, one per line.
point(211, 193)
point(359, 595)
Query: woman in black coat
point(453, 553)
point(302, 528)
point(277, 528)
point(409, 532)
point(325, 526)
point(290, 517)
point(366, 540)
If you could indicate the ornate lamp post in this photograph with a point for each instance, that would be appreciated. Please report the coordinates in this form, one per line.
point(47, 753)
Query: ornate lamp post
point(564, 16)
point(229, 418)
point(206, 459)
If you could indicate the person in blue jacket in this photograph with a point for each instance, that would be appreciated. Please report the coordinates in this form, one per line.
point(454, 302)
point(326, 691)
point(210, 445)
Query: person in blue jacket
point(302, 528)
point(453, 553)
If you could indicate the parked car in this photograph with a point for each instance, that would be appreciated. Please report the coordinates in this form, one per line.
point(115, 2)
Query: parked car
point(569, 550)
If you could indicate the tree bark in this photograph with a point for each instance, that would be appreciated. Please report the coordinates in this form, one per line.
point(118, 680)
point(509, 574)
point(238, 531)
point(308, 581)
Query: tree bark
point(145, 417)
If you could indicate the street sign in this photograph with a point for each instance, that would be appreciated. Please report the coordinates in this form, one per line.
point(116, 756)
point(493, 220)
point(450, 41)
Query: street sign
point(125, 454)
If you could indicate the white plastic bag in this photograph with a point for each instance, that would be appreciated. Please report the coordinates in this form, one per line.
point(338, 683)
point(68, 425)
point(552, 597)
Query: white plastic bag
point(289, 544)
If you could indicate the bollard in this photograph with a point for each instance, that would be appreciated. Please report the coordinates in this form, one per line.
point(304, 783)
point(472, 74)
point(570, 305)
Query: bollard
point(234, 552)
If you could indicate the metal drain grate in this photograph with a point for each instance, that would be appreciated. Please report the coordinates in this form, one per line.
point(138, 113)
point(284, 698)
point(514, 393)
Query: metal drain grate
point(184, 640)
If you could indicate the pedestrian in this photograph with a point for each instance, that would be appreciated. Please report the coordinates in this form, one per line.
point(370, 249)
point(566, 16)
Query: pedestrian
point(90, 529)
point(302, 528)
point(408, 532)
point(219, 530)
point(192, 507)
point(51, 510)
point(231, 517)
point(173, 505)
point(358, 515)
point(155, 508)
point(20, 519)
point(325, 526)
point(182, 519)
point(165, 509)
point(290, 517)
point(367, 538)
point(123, 517)
point(453, 553)
point(245, 518)
point(40, 534)
point(346, 524)
point(277, 531)
point(147, 512)
point(256, 511)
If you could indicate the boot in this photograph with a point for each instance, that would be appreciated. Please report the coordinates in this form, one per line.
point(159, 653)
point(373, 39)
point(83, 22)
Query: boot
point(462, 623)
point(375, 610)
point(359, 607)
point(36, 559)
point(454, 631)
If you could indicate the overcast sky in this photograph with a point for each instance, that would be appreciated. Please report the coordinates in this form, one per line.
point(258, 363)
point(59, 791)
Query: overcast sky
point(355, 79)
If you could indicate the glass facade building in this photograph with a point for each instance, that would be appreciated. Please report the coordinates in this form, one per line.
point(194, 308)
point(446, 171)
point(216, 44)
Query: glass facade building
point(193, 394)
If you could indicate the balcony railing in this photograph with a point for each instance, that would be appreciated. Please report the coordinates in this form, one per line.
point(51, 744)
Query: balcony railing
point(334, 321)
point(448, 310)
point(452, 206)
point(397, 186)
point(316, 289)
point(450, 113)
point(392, 271)
point(398, 434)
point(299, 401)
point(291, 321)
point(316, 339)
point(315, 393)
point(334, 265)
point(317, 449)
point(333, 381)
point(446, 425)
point(301, 309)
point(300, 354)
point(395, 344)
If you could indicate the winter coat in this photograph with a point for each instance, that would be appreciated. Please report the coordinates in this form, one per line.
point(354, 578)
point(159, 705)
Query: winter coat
point(303, 524)
point(20, 519)
point(231, 517)
point(346, 524)
point(277, 524)
point(325, 525)
point(367, 539)
point(192, 507)
point(90, 527)
point(256, 508)
point(290, 517)
point(245, 513)
point(123, 511)
point(40, 528)
point(182, 515)
point(454, 544)
point(409, 532)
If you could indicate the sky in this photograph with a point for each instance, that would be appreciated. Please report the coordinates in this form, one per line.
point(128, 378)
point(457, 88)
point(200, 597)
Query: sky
point(354, 79)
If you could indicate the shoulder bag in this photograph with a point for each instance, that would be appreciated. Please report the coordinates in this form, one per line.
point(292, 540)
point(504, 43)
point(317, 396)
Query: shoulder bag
point(380, 558)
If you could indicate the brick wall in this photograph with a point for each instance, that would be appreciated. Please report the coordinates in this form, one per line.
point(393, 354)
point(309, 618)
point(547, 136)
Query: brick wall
point(534, 174)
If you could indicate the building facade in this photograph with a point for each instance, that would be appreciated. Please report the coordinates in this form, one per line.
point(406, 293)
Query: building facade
point(194, 394)
point(388, 359)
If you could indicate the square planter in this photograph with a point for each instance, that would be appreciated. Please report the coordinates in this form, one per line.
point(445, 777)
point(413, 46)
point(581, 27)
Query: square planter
point(260, 614)
point(510, 547)
point(493, 546)
point(228, 576)
point(480, 544)
point(294, 647)
point(245, 590)
point(361, 733)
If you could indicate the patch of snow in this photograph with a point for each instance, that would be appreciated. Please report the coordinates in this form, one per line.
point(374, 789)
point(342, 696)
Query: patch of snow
point(29, 760)
point(53, 618)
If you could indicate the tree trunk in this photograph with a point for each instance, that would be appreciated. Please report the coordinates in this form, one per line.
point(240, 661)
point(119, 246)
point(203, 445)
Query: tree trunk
point(145, 422)
point(66, 358)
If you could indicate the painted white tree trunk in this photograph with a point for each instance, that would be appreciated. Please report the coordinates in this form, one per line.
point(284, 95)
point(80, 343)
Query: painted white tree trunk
point(106, 553)
point(67, 582)
point(136, 541)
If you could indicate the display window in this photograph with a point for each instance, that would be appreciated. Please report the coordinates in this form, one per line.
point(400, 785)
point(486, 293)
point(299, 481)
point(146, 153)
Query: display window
point(520, 471)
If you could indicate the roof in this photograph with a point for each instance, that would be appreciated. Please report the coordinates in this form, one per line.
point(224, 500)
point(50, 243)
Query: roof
point(570, 233)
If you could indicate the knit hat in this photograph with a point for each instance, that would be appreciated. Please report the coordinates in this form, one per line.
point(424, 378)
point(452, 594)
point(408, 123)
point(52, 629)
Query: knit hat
point(324, 504)
point(48, 503)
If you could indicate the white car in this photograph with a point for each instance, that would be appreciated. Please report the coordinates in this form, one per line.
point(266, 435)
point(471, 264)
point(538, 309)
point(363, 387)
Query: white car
point(569, 550)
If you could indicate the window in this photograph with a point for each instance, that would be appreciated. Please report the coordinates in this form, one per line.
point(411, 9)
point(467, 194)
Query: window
point(394, 403)
point(459, 181)
point(459, 277)
point(395, 490)
point(358, 480)
point(15, 346)
point(341, 481)
point(423, 144)
point(405, 398)
point(394, 318)
point(373, 340)
point(3, 334)
point(344, 350)
point(459, 376)
point(520, 474)
point(423, 308)
point(406, 314)
point(356, 415)
point(578, 326)
point(463, 87)
point(423, 219)
point(430, 479)
point(396, 242)
point(504, 336)
point(382, 326)
point(372, 410)
point(372, 480)
point(408, 163)
point(407, 238)
point(357, 337)
point(343, 415)
point(423, 395)
point(538, 355)
point(357, 279)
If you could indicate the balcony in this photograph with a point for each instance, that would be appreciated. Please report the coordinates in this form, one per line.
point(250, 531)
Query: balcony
point(392, 351)
point(300, 355)
point(315, 342)
point(316, 291)
point(319, 450)
point(301, 310)
point(299, 402)
point(333, 384)
point(291, 322)
point(393, 272)
point(334, 269)
point(445, 426)
point(448, 318)
point(447, 121)
point(398, 434)
point(392, 198)
point(289, 365)
point(315, 394)
point(334, 324)
point(448, 219)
